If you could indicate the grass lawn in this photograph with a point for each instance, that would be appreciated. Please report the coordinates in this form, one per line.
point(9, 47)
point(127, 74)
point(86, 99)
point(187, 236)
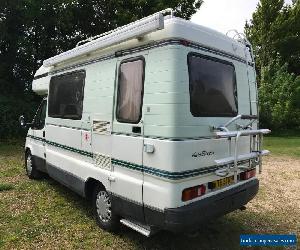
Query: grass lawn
point(280, 145)
point(44, 214)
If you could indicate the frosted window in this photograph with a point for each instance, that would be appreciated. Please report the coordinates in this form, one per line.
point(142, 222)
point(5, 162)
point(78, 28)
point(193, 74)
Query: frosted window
point(130, 91)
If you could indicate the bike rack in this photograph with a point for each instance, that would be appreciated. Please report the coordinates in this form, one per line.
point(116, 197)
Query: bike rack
point(256, 151)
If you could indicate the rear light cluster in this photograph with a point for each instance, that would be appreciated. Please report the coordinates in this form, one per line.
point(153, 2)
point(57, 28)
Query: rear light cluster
point(247, 175)
point(193, 192)
point(197, 191)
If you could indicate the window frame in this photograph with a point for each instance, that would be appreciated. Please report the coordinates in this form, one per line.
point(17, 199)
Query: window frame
point(131, 59)
point(83, 89)
point(36, 123)
point(215, 59)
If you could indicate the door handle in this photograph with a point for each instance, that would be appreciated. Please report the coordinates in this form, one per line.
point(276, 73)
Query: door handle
point(44, 133)
point(149, 148)
point(111, 178)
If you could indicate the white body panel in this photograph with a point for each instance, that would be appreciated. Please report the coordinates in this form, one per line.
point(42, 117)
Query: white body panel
point(41, 81)
point(128, 183)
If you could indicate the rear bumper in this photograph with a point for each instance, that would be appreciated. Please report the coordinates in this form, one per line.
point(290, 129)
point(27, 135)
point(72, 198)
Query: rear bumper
point(190, 217)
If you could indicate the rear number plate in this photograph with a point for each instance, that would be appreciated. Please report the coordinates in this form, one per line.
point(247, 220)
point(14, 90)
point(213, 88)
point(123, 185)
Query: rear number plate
point(221, 183)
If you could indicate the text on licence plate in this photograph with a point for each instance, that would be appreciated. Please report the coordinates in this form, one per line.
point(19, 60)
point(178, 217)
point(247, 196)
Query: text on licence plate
point(221, 183)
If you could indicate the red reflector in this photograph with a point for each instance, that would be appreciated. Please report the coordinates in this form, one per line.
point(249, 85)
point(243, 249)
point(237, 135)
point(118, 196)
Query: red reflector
point(193, 192)
point(184, 42)
point(248, 174)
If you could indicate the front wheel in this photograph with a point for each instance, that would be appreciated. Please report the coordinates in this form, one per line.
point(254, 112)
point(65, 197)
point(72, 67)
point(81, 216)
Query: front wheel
point(102, 206)
point(31, 170)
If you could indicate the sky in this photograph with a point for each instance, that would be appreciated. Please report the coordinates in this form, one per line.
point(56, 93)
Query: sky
point(224, 15)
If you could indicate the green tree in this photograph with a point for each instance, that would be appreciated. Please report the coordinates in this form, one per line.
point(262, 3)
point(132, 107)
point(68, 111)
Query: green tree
point(274, 32)
point(34, 30)
point(287, 44)
point(279, 96)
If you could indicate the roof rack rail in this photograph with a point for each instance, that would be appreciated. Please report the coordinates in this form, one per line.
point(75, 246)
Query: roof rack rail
point(132, 30)
point(241, 38)
point(238, 36)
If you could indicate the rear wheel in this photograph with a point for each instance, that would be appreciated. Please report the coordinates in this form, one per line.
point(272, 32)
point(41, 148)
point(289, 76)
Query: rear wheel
point(31, 169)
point(102, 206)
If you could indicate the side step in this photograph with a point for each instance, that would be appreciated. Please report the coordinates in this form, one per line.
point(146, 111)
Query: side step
point(142, 229)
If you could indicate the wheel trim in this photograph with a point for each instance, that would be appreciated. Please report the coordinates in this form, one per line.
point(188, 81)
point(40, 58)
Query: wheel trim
point(103, 205)
point(29, 164)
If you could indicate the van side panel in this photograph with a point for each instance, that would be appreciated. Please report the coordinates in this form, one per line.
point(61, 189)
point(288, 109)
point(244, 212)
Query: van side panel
point(63, 162)
point(99, 91)
point(70, 155)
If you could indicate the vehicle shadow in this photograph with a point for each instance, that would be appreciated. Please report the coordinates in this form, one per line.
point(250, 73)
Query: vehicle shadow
point(219, 234)
point(222, 233)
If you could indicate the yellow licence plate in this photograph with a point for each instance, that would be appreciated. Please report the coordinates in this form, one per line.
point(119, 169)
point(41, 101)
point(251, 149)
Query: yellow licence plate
point(222, 182)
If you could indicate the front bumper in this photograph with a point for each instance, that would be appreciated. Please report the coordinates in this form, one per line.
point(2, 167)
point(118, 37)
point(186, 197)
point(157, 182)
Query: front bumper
point(190, 217)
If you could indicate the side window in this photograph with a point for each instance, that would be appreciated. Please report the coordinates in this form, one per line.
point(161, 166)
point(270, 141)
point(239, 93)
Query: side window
point(39, 119)
point(66, 95)
point(130, 90)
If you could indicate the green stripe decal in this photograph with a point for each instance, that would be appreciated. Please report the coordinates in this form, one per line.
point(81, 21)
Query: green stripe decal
point(54, 144)
point(141, 168)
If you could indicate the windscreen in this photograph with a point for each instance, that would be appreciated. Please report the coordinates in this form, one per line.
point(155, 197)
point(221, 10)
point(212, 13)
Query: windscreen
point(212, 87)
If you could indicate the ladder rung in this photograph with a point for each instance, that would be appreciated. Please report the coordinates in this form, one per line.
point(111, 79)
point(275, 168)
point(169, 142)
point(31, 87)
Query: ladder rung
point(243, 157)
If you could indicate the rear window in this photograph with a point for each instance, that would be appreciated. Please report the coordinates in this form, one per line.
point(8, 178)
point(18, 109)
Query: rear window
point(212, 86)
point(66, 95)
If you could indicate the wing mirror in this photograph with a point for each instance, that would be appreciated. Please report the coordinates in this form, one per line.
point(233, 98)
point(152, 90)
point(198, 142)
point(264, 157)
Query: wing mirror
point(23, 122)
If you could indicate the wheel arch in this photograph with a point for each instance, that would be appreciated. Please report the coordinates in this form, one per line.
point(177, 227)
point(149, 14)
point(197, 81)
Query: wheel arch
point(28, 149)
point(90, 185)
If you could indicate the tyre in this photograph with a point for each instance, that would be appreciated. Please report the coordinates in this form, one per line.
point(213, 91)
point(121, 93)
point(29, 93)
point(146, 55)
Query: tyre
point(31, 169)
point(102, 208)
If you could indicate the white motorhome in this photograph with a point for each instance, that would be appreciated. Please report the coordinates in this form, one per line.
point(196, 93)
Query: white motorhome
point(155, 122)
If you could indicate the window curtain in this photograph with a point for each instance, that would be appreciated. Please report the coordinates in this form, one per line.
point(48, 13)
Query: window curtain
point(130, 91)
